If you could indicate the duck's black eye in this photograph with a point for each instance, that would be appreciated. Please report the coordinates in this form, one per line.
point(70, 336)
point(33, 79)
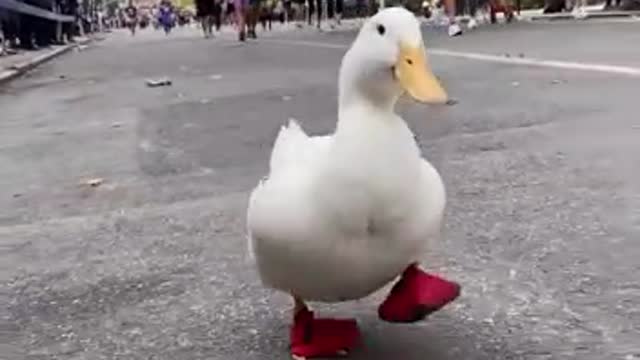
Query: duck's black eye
point(381, 29)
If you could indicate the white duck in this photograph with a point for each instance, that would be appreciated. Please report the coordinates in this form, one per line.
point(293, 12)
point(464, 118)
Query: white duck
point(341, 215)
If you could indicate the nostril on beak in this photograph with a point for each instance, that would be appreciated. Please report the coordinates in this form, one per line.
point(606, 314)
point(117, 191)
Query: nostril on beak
point(409, 61)
point(451, 102)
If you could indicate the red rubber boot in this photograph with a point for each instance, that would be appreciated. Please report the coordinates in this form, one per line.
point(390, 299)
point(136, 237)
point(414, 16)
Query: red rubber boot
point(416, 295)
point(322, 337)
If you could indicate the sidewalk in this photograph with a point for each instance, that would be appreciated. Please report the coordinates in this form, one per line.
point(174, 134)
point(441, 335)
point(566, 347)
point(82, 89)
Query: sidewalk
point(592, 12)
point(12, 66)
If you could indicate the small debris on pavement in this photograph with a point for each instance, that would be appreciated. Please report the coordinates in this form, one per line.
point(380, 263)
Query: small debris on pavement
point(204, 101)
point(95, 182)
point(286, 98)
point(17, 195)
point(62, 76)
point(116, 125)
point(158, 82)
point(507, 55)
point(215, 77)
point(556, 81)
point(180, 95)
point(521, 55)
point(515, 84)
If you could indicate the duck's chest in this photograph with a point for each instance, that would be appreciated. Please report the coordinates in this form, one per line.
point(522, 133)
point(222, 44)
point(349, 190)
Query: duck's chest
point(371, 185)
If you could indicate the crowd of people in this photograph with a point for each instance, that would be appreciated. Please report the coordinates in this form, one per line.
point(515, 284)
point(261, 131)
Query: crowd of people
point(26, 31)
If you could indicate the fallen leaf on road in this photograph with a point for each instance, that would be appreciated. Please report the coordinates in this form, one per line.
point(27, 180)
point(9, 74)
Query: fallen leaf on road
point(158, 82)
point(95, 182)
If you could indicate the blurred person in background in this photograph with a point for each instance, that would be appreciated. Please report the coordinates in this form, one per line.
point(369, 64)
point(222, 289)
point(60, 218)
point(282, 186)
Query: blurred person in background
point(267, 9)
point(205, 12)
point(131, 14)
point(166, 16)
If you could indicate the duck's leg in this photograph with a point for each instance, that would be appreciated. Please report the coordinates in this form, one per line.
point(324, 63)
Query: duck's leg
point(416, 295)
point(312, 337)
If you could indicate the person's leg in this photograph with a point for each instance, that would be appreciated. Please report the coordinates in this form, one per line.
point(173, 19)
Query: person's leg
point(203, 24)
point(310, 10)
point(263, 19)
point(318, 13)
point(217, 17)
point(253, 19)
point(240, 18)
point(450, 9)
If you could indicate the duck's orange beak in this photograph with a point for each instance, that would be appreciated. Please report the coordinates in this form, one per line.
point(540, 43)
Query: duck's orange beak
point(415, 76)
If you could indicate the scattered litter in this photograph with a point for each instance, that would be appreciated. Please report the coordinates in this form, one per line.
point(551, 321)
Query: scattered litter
point(116, 125)
point(95, 182)
point(62, 77)
point(17, 195)
point(556, 81)
point(205, 101)
point(215, 77)
point(286, 98)
point(158, 82)
point(515, 84)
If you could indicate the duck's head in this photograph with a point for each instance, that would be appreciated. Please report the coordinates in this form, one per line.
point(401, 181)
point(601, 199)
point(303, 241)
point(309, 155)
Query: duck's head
point(388, 59)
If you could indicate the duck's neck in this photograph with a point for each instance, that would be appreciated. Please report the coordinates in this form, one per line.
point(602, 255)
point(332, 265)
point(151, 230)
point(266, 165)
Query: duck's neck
point(365, 86)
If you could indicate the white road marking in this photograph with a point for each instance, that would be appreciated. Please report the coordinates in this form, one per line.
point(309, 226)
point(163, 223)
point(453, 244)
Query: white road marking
point(556, 64)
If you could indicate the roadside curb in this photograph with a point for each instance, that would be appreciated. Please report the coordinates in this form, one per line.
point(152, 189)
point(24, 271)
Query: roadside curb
point(589, 15)
point(23, 67)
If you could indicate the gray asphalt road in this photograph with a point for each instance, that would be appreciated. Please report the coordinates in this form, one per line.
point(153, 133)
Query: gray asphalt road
point(541, 167)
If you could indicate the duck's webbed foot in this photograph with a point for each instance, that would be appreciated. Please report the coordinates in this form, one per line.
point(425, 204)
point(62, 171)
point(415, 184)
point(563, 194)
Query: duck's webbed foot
point(416, 295)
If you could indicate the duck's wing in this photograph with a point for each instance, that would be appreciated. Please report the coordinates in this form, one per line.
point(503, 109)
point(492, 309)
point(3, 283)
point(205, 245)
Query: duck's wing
point(295, 150)
point(279, 204)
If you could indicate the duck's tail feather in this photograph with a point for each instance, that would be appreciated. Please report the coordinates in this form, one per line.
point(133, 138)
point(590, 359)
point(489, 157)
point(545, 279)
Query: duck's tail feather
point(288, 147)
